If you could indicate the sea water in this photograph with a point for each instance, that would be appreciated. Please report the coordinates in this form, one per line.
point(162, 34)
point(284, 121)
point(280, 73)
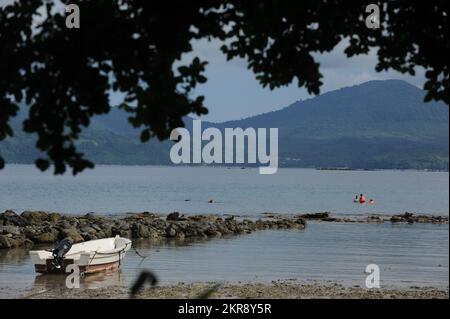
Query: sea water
point(407, 255)
point(121, 189)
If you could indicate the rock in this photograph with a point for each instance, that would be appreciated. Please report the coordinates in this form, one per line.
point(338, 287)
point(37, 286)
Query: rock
point(411, 218)
point(196, 217)
point(41, 227)
point(101, 234)
point(64, 224)
point(45, 238)
point(375, 219)
point(139, 230)
point(35, 217)
point(29, 232)
point(115, 231)
point(107, 229)
point(405, 218)
point(88, 230)
point(180, 236)
point(173, 216)
point(153, 233)
point(126, 233)
point(9, 217)
point(90, 215)
point(54, 217)
point(396, 219)
point(201, 234)
point(143, 231)
point(72, 233)
point(316, 215)
point(28, 243)
point(123, 226)
point(87, 236)
point(171, 231)
point(6, 241)
point(210, 231)
point(96, 227)
point(14, 230)
point(441, 219)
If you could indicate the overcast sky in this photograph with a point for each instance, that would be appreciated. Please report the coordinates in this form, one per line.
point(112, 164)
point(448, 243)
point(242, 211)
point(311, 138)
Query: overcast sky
point(232, 91)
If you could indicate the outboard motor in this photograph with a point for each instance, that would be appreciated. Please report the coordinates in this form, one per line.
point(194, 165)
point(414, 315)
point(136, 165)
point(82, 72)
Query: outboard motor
point(60, 250)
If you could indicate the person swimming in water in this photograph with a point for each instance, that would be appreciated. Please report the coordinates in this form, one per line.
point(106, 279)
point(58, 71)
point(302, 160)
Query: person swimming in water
point(362, 199)
point(371, 201)
point(356, 200)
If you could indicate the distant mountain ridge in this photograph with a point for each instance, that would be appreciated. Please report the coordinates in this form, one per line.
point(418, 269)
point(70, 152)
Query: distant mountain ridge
point(374, 125)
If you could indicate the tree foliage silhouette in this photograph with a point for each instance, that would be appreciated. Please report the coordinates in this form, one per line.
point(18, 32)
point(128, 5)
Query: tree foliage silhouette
point(65, 75)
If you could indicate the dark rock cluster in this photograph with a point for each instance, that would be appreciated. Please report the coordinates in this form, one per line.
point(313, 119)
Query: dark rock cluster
point(402, 218)
point(412, 218)
point(36, 227)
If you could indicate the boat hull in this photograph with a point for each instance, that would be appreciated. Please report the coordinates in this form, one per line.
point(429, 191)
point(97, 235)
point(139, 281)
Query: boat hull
point(90, 257)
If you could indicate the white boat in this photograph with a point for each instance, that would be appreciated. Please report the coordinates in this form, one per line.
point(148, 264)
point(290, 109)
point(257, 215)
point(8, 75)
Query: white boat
point(90, 256)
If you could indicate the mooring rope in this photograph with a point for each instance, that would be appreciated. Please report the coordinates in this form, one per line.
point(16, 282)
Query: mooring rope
point(118, 252)
point(95, 253)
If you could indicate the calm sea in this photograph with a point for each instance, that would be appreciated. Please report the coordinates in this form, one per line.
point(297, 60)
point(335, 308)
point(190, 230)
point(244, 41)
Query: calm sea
point(408, 255)
point(120, 189)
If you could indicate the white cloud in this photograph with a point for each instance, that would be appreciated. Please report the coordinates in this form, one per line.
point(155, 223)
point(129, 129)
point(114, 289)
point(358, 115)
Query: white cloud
point(232, 92)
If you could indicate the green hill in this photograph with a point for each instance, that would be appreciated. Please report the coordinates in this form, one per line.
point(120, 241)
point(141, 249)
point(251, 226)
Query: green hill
point(375, 125)
point(378, 124)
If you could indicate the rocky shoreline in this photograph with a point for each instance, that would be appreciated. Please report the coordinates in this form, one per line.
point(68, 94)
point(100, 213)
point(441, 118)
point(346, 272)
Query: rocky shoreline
point(409, 218)
point(37, 227)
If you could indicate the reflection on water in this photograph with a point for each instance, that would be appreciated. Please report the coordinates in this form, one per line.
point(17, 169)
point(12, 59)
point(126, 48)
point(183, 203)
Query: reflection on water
point(408, 255)
point(13, 256)
point(92, 281)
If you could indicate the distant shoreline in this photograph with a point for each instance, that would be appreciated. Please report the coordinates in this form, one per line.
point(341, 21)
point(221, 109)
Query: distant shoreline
point(243, 166)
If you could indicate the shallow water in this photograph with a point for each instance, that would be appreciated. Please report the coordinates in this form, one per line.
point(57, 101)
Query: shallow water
point(408, 255)
point(119, 189)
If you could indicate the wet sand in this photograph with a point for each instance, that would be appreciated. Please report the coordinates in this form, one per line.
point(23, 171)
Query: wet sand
point(273, 290)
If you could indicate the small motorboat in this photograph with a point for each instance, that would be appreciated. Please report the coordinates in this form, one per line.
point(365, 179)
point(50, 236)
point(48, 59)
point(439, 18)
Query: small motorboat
point(90, 256)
